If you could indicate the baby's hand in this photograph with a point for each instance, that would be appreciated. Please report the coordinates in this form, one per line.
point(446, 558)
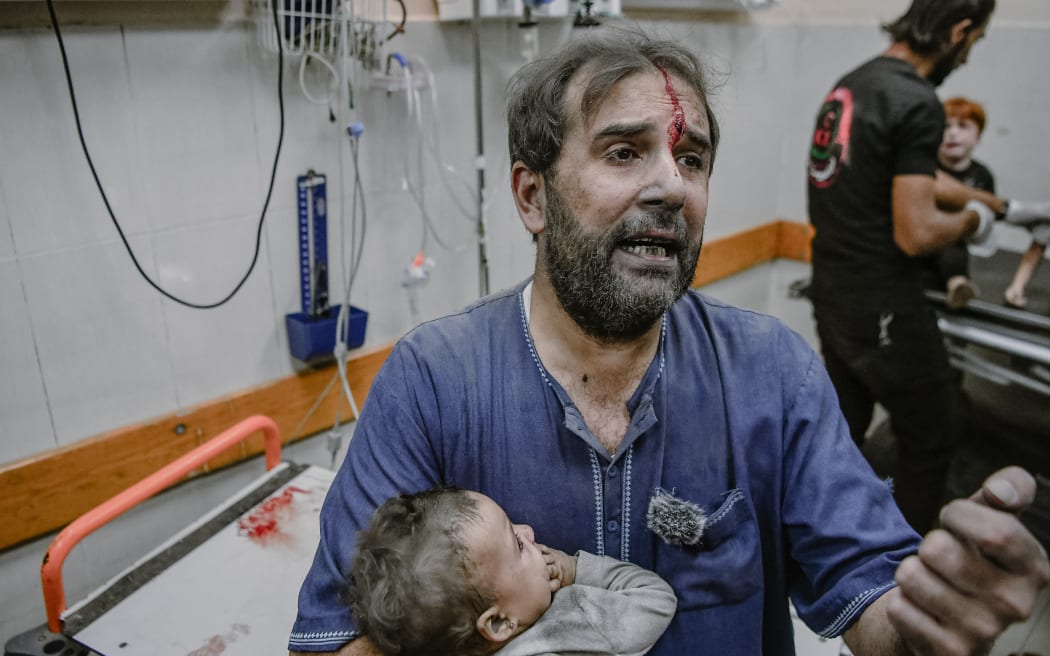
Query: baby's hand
point(560, 565)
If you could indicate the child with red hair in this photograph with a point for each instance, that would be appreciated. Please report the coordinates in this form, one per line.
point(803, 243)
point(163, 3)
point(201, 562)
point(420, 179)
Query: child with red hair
point(950, 269)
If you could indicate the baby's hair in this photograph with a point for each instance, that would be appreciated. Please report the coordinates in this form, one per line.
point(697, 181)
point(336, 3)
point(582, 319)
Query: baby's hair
point(412, 589)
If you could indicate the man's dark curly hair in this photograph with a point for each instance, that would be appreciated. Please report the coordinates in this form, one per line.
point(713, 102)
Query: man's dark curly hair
point(926, 26)
point(413, 591)
point(538, 113)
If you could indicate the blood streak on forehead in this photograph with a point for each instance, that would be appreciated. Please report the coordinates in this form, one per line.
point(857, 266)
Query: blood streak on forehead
point(676, 128)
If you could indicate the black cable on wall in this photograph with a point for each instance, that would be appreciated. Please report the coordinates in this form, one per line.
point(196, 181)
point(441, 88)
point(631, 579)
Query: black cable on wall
point(105, 199)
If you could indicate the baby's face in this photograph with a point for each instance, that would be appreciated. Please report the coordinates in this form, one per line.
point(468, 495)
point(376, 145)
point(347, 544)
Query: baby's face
point(508, 561)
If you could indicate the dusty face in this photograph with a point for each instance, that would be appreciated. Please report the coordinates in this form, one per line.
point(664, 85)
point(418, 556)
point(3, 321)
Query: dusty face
point(508, 562)
point(960, 138)
point(625, 208)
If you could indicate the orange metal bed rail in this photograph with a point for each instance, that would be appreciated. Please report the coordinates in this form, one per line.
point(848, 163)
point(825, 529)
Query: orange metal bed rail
point(174, 472)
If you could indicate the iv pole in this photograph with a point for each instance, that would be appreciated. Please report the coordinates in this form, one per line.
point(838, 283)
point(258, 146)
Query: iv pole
point(479, 162)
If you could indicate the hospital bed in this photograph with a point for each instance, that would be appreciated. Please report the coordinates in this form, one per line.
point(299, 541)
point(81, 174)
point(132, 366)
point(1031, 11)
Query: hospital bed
point(979, 332)
point(225, 584)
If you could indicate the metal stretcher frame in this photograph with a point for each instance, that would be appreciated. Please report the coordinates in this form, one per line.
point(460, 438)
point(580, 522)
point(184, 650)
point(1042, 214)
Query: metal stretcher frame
point(175, 472)
point(1016, 333)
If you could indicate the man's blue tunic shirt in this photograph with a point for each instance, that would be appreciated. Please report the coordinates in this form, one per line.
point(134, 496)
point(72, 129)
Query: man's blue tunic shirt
point(735, 414)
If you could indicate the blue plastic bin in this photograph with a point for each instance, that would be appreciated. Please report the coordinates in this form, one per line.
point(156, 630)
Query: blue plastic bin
point(310, 338)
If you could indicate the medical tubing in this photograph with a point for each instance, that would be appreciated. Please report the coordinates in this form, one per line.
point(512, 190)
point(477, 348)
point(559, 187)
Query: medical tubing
point(414, 105)
point(344, 82)
point(357, 252)
point(432, 141)
point(435, 149)
point(340, 362)
point(430, 138)
point(353, 131)
point(483, 261)
point(400, 28)
point(105, 199)
point(343, 318)
point(302, 78)
point(359, 193)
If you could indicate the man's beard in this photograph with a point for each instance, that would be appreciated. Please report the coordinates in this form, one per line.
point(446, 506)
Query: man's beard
point(947, 63)
point(608, 303)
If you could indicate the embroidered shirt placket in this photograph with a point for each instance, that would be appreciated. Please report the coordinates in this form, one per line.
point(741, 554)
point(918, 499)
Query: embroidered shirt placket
point(597, 470)
point(625, 518)
point(599, 499)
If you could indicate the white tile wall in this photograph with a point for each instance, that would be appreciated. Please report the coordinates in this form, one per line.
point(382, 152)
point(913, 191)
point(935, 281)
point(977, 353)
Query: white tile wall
point(231, 347)
point(101, 338)
point(7, 245)
point(750, 289)
point(50, 195)
point(310, 140)
point(25, 424)
point(198, 155)
point(183, 126)
point(511, 252)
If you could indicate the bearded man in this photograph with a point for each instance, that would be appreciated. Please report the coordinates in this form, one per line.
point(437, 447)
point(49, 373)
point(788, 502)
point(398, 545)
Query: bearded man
point(615, 411)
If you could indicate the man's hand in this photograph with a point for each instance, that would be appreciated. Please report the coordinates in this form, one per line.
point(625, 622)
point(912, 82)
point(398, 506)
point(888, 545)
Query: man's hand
point(977, 574)
point(562, 567)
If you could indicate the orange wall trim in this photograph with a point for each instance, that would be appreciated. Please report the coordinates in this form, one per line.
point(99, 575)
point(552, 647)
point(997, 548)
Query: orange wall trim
point(794, 241)
point(47, 491)
point(730, 255)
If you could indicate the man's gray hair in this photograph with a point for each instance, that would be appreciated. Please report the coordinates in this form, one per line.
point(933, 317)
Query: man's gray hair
point(537, 108)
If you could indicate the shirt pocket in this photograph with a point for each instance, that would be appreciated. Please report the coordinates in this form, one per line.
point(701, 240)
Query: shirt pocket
point(726, 566)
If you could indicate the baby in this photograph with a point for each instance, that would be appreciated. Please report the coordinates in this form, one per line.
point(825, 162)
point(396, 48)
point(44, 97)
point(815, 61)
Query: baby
point(445, 572)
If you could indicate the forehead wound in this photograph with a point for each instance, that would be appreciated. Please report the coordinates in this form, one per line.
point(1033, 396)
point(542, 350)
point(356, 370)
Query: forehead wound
point(676, 127)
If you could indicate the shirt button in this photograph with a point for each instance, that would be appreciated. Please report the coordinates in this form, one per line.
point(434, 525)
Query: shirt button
point(613, 525)
point(612, 472)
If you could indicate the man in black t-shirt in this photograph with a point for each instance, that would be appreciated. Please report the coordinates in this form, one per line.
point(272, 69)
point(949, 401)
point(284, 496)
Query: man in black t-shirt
point(877, 202)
